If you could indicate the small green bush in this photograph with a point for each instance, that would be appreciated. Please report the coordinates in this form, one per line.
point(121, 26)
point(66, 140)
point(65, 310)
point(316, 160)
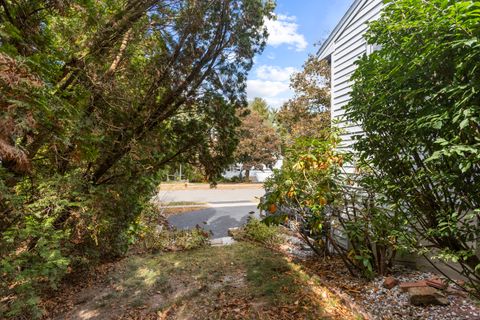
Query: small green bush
point(176, 240)
point(155, 234)
point(257, 231)
point(32, 268)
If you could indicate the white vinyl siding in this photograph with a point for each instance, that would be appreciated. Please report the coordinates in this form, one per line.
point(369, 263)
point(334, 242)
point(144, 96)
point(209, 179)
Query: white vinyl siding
point(343, 47)
point(348, 45)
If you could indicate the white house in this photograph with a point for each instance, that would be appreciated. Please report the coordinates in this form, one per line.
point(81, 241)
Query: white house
point(343, 47)
point(256, 175)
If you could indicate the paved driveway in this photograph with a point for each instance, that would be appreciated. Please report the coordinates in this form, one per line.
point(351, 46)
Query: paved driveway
point(227, 208)
point(217, 220)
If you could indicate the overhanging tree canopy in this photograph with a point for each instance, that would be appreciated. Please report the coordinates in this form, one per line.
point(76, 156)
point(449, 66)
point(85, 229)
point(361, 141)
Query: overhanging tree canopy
point(96, 97)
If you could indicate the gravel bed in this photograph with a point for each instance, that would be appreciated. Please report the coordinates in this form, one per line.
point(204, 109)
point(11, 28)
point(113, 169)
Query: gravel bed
point(378, 302)
point(298, 248)
point(383, 303)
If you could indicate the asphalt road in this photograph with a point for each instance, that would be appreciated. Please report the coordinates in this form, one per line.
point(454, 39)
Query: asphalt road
point(227, 208)
point(216, 220)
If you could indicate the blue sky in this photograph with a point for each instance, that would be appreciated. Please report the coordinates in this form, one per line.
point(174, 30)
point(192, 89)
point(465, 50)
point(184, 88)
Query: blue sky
point(300, 24)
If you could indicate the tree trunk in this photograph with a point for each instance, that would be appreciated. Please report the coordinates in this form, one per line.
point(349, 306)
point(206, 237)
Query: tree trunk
point(247, 175)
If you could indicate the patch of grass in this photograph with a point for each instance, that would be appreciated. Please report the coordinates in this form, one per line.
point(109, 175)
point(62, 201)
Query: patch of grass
point(257, 272)
point(182, 203)
point(179, 210)
point(272, 278)
point(240, 281)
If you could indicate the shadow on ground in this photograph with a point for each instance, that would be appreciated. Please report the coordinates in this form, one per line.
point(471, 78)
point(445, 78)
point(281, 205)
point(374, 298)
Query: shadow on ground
point(241, 281)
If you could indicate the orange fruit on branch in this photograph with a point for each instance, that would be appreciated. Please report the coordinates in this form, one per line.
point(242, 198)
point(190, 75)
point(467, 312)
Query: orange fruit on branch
point(272, 208)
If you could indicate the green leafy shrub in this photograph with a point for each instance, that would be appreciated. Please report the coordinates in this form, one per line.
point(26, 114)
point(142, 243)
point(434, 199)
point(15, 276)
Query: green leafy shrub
point(418, 100)
point(257, 231)
point(373, 232)
point(304, 188)
point(33, 255)
point(317, 198)
point(154, 234)
point(307, 179)
point(33, 268)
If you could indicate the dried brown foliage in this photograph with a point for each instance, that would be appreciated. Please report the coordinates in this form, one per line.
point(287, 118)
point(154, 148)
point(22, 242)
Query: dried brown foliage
point(308, 112)
point(15, 83)
point(259, 142)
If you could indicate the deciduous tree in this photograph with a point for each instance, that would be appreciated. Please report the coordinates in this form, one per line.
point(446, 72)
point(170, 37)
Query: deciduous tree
point(259, 143)
point(308, 112)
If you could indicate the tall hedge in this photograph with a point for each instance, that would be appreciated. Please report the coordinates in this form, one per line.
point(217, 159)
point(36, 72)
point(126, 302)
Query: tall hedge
point(418, 99)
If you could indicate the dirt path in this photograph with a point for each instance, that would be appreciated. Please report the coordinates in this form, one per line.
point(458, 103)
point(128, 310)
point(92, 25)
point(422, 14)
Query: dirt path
point(241, 281)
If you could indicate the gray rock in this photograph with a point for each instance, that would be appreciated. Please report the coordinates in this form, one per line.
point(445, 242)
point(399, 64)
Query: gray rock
point(233, 231)
point(225, 241)
point(426, 296)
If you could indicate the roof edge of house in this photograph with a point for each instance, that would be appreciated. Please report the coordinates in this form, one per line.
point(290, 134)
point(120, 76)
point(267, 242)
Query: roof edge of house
point(339, 26)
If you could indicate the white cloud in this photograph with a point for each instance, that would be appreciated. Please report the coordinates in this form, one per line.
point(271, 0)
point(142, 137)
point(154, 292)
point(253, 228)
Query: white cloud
point(276, 103)
point(274, 92)
point(275, 73)
point(283, 30)
point(265, 88)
